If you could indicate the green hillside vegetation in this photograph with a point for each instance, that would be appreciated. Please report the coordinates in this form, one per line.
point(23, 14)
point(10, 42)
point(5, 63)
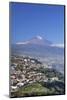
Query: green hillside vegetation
point(39, 89)
point(51, 73)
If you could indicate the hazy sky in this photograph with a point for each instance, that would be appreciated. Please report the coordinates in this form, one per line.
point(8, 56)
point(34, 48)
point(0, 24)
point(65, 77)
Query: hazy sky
point(30, 20)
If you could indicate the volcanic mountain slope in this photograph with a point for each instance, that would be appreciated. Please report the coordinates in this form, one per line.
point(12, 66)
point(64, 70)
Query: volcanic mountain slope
point(37, 46)
point(38, 40)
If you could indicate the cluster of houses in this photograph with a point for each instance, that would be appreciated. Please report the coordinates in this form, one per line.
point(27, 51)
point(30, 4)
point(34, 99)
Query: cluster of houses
point(23, 71)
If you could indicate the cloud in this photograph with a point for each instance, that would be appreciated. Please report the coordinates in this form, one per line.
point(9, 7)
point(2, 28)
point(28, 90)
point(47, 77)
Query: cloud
point(26, 42)
point(58, 45)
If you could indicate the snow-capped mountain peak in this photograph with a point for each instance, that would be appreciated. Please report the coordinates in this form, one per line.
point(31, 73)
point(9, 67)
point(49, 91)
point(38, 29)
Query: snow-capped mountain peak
point(37, 40)
point(39, 37)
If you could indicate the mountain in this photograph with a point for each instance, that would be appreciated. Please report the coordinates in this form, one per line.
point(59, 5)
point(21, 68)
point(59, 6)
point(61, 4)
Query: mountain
point(38, 40)
point(37, 46)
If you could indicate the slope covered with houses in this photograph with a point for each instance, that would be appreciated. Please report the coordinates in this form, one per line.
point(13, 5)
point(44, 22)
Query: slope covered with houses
point(26, 71)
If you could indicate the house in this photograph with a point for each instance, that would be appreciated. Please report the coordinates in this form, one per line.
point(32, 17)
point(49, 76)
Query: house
point(25, 60)
point(12, 77)
point(32, 61)
point(14, 88)
point(54, 79)
point(20, 84)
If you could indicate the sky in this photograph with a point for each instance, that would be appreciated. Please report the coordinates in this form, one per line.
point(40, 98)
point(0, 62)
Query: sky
point(30, 20)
